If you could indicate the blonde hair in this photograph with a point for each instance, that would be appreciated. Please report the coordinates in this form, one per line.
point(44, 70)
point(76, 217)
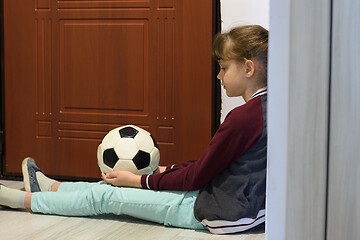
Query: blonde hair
point(249, 42)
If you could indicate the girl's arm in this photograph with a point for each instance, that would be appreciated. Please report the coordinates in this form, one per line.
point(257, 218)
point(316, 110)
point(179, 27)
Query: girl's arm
point(238, 133)
point(160, 169)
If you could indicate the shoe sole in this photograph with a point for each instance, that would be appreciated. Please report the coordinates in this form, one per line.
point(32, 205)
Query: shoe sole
point(25, 173)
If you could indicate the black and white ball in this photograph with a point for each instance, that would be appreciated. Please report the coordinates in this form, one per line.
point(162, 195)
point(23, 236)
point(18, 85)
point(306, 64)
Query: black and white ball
point(128, 148)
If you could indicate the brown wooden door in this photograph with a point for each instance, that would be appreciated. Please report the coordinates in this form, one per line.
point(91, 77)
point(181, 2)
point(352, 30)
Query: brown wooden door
point(76, 69)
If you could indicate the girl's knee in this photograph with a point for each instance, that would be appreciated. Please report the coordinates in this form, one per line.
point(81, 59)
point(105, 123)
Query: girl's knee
point(100, 199)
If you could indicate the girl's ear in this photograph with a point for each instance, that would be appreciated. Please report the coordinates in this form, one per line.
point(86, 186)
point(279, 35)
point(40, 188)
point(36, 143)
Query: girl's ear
point(249, 68)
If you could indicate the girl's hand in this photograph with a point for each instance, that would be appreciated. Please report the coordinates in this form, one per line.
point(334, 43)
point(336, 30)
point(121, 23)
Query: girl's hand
point(122, 179)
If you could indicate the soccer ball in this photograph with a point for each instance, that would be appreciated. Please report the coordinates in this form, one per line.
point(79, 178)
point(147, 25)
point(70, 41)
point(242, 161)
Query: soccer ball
point(128, 148)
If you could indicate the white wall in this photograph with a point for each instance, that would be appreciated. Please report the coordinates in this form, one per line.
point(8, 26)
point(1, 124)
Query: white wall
point(343, 217)
point(235, 13)
point(278, 118)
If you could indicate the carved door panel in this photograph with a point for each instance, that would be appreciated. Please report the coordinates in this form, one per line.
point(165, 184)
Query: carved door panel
point(76, 69)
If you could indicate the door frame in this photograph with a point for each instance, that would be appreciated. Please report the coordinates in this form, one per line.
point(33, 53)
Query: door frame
point(216, 86)
point(215, 105)
point(2, 93)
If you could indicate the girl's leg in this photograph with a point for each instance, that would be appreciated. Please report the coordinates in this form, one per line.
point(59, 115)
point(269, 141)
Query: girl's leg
point(77, 186)
point(168, 208)
point(28, 200)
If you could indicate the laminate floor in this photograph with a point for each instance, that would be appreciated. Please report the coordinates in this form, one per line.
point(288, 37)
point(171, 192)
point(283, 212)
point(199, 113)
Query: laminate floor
point(22, 224)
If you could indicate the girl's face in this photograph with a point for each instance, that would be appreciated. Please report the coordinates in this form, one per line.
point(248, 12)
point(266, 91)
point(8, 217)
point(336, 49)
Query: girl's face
point(233, 77)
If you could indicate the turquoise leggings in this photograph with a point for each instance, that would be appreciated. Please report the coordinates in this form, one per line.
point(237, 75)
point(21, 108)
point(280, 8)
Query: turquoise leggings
point(171, 208)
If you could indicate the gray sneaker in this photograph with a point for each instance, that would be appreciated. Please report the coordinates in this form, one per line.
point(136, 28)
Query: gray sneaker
point(29, 170)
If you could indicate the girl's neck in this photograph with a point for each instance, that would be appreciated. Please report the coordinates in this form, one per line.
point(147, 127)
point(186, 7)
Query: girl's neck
point(251, 94)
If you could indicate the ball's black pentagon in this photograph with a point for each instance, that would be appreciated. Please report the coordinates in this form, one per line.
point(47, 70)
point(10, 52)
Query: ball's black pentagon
point(141, 160)
point(110, 157)
point(128, 132)
point(155, 143)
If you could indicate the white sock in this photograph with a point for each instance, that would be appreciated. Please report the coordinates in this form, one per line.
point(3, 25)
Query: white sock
point(45, 183)
point(13, 198)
